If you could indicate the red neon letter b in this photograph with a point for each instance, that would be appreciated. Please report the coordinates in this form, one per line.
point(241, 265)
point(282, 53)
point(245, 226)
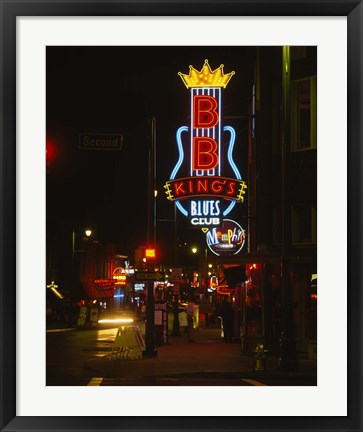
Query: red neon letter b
point(204, 112)
point(205, 156)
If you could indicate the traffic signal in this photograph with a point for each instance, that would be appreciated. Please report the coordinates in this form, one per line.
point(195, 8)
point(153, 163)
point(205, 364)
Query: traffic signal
point(49, 150)
point(150, 254)
point(144, 255)
point(50, 154)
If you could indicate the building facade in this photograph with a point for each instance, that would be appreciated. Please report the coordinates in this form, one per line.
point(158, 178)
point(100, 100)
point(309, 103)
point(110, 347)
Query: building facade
point(279, 294)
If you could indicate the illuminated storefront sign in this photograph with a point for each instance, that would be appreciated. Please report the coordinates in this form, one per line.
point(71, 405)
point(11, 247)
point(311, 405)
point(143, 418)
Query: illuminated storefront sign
point(205, 186)
point(119, 276)
point(213, 282)
point(210, 184)
point(104, 283)
point(227, 239)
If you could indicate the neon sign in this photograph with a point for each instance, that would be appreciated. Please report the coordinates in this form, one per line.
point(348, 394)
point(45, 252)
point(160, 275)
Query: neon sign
point(213, 183)
point(205, 186)
point(226, 240)
point(213, 282)
point(104, 283)
point(119, 276)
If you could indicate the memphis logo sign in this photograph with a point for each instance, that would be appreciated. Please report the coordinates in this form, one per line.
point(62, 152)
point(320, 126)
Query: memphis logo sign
point(205, 183)
point(228, 239)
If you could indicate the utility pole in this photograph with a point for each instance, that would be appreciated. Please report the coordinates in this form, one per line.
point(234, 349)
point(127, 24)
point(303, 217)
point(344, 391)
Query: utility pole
point(176, 323)
point(288, 359)
point(176, 294)
point(150, 350)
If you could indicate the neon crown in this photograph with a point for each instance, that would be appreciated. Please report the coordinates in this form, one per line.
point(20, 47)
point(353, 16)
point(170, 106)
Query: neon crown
point(206, 77)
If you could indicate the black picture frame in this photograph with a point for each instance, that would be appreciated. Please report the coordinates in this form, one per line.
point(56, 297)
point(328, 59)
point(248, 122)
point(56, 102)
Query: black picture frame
point(10, 10)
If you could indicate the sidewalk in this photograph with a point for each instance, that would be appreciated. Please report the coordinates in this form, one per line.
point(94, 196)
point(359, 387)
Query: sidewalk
point(209, 356)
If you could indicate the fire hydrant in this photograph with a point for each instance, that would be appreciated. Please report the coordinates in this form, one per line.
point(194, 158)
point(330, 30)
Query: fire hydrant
point(260, 357)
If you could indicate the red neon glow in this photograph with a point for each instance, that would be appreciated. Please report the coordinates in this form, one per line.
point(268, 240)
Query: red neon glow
point(50, 151)
point(105, 283)
point(231, 189)
point(205, 156)
point(217, 186)
point(213, 282)
point(204, 112)
point(202, 185)
point(224, 290)
point(178, 187)
point(199, 186)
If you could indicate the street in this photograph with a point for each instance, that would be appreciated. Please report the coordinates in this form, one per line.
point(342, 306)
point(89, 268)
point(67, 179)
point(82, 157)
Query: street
point(80, 357)
point(68, 350)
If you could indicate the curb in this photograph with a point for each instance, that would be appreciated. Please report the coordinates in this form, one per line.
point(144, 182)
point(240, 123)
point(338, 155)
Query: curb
point(103, 369)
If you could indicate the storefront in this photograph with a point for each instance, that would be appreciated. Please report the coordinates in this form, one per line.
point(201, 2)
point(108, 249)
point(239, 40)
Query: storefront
point(260, 302)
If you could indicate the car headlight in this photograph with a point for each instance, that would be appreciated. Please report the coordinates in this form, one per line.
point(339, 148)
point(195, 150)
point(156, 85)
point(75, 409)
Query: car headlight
point(115, 321)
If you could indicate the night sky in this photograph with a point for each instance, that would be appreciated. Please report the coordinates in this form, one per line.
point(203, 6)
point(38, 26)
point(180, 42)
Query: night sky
point(118, 90)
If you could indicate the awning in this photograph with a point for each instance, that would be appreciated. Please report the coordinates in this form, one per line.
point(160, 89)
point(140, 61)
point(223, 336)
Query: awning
point(95, 291)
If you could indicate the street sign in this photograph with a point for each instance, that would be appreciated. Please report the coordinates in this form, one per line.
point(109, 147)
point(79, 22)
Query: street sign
point(176, 274)
point(150, 276)
point(176, 289)
point(101, 141)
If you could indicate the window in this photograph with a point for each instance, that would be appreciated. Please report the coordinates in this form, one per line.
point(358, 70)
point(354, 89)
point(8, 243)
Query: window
point(303, 131)
point(303, 224)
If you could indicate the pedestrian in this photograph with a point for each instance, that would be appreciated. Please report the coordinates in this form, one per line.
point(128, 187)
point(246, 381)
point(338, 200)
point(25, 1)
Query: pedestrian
point(226, 312)
point(205, 307)
point(190, 317)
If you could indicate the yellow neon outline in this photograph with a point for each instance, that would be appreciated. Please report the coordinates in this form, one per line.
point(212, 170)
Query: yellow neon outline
point(242, 191)
point(168, 192)
point(206, 77)
point(236, 197)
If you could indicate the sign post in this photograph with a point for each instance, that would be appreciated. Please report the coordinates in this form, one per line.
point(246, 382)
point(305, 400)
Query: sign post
point(150, 350)
point(155, 276)
point(161, 322)
point(176, 276)
point(176, 324)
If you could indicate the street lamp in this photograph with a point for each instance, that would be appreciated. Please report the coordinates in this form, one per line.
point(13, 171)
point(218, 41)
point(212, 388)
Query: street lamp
point(203, 266)
point(176, 323)
point(87, 232)
point(53, 287)
point(206, 268)
point(150, 350)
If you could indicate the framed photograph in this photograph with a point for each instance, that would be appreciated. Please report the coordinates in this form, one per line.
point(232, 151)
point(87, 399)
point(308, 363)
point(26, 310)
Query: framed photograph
point(109, 81)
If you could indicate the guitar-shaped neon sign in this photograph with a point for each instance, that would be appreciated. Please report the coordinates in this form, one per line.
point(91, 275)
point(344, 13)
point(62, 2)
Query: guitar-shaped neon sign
point(203, 191)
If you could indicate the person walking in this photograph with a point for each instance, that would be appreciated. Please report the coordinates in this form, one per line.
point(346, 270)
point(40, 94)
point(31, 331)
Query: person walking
point(190, 317)
point(226, 312)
